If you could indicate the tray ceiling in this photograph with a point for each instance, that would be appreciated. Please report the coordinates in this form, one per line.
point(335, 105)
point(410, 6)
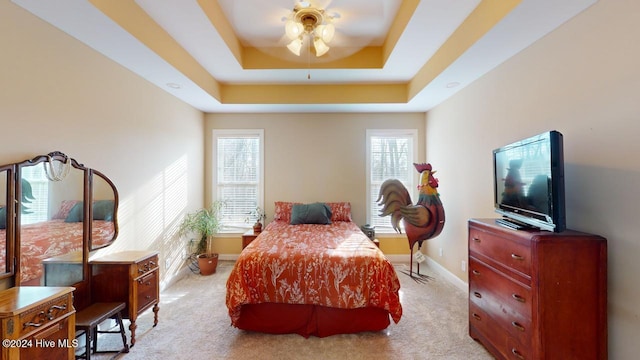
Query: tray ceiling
point(231, 56)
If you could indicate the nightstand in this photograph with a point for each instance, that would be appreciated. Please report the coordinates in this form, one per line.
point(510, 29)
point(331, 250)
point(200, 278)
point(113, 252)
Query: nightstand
point(248, 237)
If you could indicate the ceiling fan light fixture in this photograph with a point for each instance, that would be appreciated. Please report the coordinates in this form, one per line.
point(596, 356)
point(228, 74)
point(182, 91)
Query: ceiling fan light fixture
point(293, 29)
point(308, 21)
point(326, 32)
point(295, 45)
point(320, 46)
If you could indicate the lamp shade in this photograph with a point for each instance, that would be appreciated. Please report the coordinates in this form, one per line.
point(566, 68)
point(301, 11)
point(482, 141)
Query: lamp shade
point(295, 45)
point(321, 47)
point(326, 32)
point(293, 29)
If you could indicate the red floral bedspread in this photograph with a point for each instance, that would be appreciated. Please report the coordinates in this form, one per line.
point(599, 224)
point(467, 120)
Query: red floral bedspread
point(47, 239)
point(329, 265)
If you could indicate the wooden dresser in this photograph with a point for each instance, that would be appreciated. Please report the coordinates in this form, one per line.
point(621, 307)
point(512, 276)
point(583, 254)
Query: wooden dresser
point(130, 277)
point(537, 294)
point(37, 322)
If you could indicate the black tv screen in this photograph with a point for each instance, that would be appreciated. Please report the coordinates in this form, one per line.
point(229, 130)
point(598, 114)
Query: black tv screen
point(529, 183)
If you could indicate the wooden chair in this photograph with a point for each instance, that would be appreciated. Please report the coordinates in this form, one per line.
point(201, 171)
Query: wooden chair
point(87, 321)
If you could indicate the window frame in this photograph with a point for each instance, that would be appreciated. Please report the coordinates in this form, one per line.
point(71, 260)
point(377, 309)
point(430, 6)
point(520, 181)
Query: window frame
point(412, 134)
point(218, 133)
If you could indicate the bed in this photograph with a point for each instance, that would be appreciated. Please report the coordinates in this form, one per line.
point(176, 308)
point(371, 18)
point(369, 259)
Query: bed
point(58, 236)
point(313, 279)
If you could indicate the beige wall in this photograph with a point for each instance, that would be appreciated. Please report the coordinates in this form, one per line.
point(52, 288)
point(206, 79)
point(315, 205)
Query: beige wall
point(583, 80)
point(58, 94)
point(315, 157)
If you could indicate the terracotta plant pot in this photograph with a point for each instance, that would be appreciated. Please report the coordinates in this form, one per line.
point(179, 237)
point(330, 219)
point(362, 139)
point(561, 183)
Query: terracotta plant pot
point(207, 263)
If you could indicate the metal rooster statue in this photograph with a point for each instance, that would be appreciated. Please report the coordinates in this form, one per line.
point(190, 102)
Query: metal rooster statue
point(422, 221)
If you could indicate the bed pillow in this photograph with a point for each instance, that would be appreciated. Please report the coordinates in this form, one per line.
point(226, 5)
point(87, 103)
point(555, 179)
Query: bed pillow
point(3, 217)
point(65, 208)
point(76, 213)
point(103, 210)
point(282, 211)
point(316, 213)
point(340, 211)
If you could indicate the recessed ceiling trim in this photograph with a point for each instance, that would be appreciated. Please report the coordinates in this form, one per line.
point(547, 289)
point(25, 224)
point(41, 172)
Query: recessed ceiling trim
point(281, 58)
point(214, 13)
point(138, 23)
point(484, 17)
point(160, 59)
point(315, 94)
point(277, 57)
point(399, 24)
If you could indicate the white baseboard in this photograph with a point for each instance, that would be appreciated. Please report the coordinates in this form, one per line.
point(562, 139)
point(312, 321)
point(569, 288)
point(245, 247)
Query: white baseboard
point(399, 258)
point(448, 275)
point(178, 276)
point(231, 257)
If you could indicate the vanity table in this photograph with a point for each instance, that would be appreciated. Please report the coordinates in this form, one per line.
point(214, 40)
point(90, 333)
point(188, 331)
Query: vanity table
point(54, 213)
point(130, 277)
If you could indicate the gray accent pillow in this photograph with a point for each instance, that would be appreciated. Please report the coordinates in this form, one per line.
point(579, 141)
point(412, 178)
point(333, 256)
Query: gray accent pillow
point(76, 214)
point(316, 213)
point(103, 210)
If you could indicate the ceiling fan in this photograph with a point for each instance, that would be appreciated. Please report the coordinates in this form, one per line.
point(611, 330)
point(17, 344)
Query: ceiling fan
point(308, 22)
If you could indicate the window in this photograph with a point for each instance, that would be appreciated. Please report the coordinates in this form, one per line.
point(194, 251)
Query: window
point(36, 208)
point(238, 175)
point(390, 155)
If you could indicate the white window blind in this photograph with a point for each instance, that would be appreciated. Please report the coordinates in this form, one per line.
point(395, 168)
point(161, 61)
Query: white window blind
point(390, 155)
point(35, 210)
point(238, 180)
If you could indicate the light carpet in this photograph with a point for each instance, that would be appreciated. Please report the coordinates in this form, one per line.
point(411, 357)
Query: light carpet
point(194, 324)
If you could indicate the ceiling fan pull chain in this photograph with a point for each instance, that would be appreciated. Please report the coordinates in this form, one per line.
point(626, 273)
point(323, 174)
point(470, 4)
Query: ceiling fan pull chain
point(309, 59)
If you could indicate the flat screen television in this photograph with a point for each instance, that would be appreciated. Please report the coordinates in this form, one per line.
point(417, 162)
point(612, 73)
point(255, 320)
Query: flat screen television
point(529, 183)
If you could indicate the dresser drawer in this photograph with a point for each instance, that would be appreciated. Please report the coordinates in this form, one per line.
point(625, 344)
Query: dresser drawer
point(504, 300)
point(501, 251)
point(148, 265)
point(508, 346)
point(510, 294)
point(56, 335)
point(44, 314)
point(147, 289)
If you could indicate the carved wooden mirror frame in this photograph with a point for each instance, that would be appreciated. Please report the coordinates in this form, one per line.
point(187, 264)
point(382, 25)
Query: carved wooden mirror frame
point(62, 219)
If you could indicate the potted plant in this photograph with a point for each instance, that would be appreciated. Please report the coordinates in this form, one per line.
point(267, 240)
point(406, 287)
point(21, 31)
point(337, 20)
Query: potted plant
point(205, 223)
point(259, 215)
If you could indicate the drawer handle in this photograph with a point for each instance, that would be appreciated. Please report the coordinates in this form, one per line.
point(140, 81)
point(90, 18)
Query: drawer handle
point(38, 324)
point(518, 298)
point(517, 325)
point(517, 257)
point(148, 297)
point(476, 316)
point(27, 324)
point(517, 353)
point(477, 294)
point(475, 272)
point(50, 315)
point(476, 239)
